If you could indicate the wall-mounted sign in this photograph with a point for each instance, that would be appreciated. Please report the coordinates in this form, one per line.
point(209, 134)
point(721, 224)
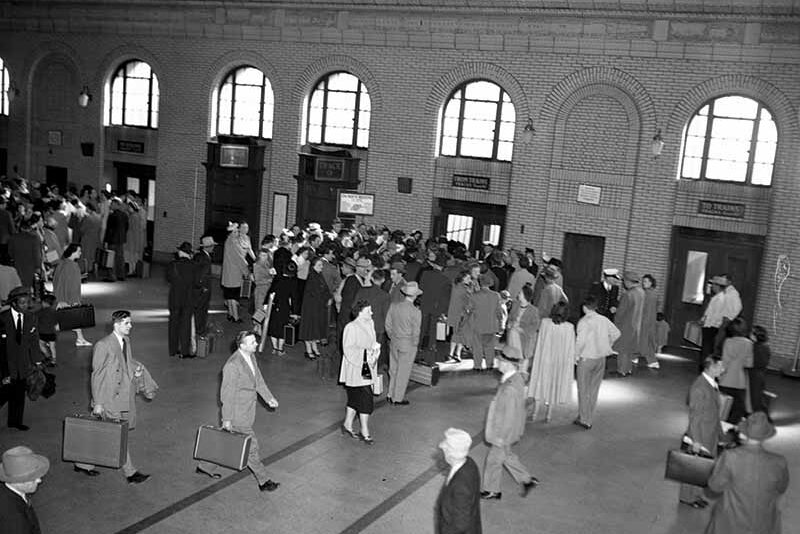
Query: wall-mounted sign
point(356, 203)
point(589, 194)
point(471, 182)
point(721, 209)
point(131, 147)
point(54, 137)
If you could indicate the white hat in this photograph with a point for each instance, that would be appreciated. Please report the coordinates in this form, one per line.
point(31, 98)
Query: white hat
point(457, 442)
point(614, 273)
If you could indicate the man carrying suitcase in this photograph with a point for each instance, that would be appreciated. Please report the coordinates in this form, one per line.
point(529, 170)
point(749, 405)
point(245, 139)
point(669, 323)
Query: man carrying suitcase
point(242, 382)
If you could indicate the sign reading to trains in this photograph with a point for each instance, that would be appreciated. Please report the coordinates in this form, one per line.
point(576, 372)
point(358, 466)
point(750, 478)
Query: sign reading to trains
point(721, 209)
point(356, 203)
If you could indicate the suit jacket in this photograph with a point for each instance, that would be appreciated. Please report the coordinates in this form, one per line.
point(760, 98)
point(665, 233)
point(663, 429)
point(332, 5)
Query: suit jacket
point(505, 422)
point(112, 378)
point(17, 359)
point(606, 299)
point(116, 228)
point(25, 248)
point(751, 480)
point(395, 295)
point(379, 301)
point(182, 277)
point(240, 387)
point(435, 298)
point(202, 263)
point(704, 424)
point(486, 314)
point(458, 509)
point(16, 516)
point(331, 275)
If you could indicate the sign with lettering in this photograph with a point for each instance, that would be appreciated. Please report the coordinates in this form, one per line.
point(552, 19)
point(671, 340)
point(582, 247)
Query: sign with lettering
point(131, 147)
point(721, 209)
point(356, 203)
point(589, 194)
point(471, 182)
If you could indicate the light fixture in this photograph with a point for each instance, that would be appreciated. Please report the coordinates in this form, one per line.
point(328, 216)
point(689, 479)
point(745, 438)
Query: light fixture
point(657, 145)
point(85, 97)
point(528, 132)
point(12, 91)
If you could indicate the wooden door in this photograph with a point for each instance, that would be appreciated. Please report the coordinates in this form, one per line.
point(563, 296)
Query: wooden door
point(583, 265)
point(696, 256)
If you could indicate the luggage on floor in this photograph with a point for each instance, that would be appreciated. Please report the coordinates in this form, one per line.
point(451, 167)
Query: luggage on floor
point(228, 449)
point(425, 374)
point(693, 333)
point(441, 331)
point(105, 258)
point(205, 346)
point(290, 334)
point(246, 288)
point(688, 468)
point(90, 440)
point(80, 316)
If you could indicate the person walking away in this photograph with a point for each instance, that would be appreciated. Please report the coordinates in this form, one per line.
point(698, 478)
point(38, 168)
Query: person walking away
point(115, 237)
point(458, 508)
point(551, 373)
point(403, 322)
point(67, 285)
point(737, 355)
point(485, 323)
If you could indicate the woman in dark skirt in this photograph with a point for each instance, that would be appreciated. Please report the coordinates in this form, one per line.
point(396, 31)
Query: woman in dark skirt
point(314, 316)
point(284, 305)
point(359, 343)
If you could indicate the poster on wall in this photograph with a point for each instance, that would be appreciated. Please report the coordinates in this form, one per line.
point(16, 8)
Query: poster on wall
point(356, 203)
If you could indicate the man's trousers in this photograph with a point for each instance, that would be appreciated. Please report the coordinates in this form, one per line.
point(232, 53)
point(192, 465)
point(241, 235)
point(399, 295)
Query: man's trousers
point(590, 376)
point(402, 353)
point(499, 457)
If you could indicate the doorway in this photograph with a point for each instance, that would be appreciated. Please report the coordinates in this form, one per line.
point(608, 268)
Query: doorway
point(471, 223)
point(56, 176)
point(141, 179)
point(696, 256)
point(583, 266)
point(3, 162)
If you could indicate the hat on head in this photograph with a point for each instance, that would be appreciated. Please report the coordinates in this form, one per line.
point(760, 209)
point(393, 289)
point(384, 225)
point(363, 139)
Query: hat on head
point(20, 464)
point(613, 273)
point(207, 241)
point(631, 276)
point(457, 442)
point(185, 247)
point(399, 266)
point(363, 262)
point(350, 261)
point(411, 289)
point(314, 227)
point(757, 426)
point(19, 291)
point(719, 280)
point(511, 354)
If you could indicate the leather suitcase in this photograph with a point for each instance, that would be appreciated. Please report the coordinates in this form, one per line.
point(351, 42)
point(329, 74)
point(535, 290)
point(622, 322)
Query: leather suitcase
point(105, 258)
point(205, 346)
point(228, 449)
point(422, 373)
point(688, 468)
point(90, 440)
point(81, 316)
point(246, 288)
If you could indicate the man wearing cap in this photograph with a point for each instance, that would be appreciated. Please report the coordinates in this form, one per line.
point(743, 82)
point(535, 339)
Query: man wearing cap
point(19, 352)
point(458, 508)
point(487, 313)
point(505, 425)
point(606, 292)
point(202, 283)
point(629, 321)
point(21, 473)
point(402, 326)
point(751, 480)
point(182, 276)
point(433, 303)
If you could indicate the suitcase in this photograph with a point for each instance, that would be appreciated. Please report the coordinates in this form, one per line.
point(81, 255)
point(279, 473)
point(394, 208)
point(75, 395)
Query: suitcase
point(90, 440)
point(422, 373)
point(205, 346)
point(81, 316)
point(228, 449)
point(289, 334)
point(725, 404)
point(105, 258)
point(688, 468)
point(441, 331)
point(246, 288)
point(693, 333)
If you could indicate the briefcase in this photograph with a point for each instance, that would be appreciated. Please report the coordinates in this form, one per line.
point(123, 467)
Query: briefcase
point(425, 374)
point(246, 288)
point(228, 449)
point(105, 258)
point(94, 441)
point(80, 316)
point(290, 334)
point(688, 468)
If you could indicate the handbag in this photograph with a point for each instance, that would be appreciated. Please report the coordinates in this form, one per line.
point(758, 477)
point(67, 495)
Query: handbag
point(366, 372)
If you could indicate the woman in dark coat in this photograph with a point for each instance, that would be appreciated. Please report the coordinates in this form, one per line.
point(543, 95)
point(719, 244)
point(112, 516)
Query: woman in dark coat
point(25, 248)
point(314, 318)
point(285, 304)
point(67, 285)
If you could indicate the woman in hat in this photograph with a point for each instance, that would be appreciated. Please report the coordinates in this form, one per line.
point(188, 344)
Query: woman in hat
point(458, 314)
point(314, 312)
point(67, 285)
point(359, 345)
point(751, 480)
point(21, 472)
point(285, 305)
point(235, 267)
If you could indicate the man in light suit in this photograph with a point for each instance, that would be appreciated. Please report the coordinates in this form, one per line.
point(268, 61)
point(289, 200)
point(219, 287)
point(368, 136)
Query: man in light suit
point(242, 382)
point(402, 326)
point(114, 378)
point(458, 509)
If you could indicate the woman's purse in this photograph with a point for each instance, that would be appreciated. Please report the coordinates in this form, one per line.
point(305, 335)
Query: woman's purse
point(366, 372)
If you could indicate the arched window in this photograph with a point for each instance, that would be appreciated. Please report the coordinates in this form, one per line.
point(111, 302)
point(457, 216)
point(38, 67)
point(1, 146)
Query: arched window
point(478, 122)
point(245, 104)
point(339, 111)
point(5, 82)
point(733, 139)
point(134, 95)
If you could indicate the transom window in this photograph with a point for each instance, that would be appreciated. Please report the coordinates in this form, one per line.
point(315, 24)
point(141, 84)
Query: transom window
point(245, 104)
point(134, 95)
point(5, 82)
point(339, 111)
point(478, 122)
point(733, 139)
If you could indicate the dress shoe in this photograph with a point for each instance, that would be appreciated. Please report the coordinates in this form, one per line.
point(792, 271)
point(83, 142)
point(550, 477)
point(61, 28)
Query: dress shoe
point(186, 356)
point(694, 504)
point(366, 439)
point(21, 427)
point(581, 424)
point(654, 365)
point(491, 495)
point(403, 402)
point(206, 473)
point(389, 400)
point(137, 478)
point(87, 472)
point(269, 485)
point(347, 432)
point(526, 487)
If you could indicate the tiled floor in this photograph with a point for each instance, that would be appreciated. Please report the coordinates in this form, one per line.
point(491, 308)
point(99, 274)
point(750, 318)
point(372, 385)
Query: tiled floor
point(606, 480)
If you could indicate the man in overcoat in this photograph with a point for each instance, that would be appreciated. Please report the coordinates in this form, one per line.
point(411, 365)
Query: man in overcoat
point(402, 326)
point(202, 278)
point(629, 322)
point(20, 473)
point(182, 278)
point(433, 303)
point(485, 323)
point(115, 238)
point(458, 509)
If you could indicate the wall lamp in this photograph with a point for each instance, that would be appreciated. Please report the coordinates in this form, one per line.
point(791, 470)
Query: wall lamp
point(85, 97)
point(657, 144)
point(528, 132)
point(13, 91)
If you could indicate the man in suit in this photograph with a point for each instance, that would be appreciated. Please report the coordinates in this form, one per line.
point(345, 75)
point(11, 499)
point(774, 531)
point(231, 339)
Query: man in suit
point(486, 316)
point(396, 281)
point(433, 303)
point(402, 326)
point(181, 276)
point(19, 352)
point(629, 321)
point(202, 288)
point(606, 292)
point(21, 472)
point(115, 238)
point(458, 509)
point(242, 382)
point(115, 375)
point(505, 425)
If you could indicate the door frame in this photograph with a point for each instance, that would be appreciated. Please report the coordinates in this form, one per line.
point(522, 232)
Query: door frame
point(485, 214)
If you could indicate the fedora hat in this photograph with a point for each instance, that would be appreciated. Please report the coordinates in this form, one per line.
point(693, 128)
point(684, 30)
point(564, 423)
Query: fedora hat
point(757, 426)
point(719, 280)
point(19, 291)
point(613, 273)
point(399, 266)
point(631, 276)
point(457, 442)
point(207, 241)
point(411, 289)
point(185, 247)
point(364, 262)
point(20, 464)
point(511, 354)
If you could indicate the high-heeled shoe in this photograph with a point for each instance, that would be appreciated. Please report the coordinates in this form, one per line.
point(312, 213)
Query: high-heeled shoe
point(347, 432)
point(366, 439)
